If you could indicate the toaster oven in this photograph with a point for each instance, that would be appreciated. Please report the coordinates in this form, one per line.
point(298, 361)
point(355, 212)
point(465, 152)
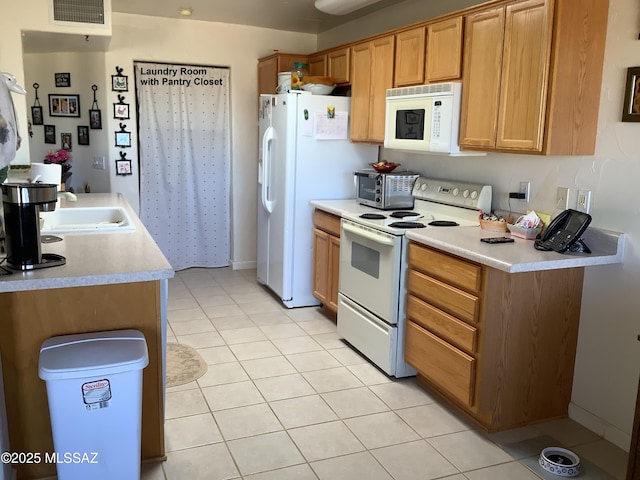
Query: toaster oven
point(386, 191)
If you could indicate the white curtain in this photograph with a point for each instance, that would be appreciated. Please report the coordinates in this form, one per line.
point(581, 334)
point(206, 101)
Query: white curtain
point(183, 122)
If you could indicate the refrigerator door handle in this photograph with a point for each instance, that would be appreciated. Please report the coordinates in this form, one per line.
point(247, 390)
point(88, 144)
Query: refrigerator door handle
point(267, 141)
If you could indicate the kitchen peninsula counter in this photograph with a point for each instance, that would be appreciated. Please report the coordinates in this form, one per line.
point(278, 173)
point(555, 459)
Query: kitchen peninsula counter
point(96, 258)
point(607, 246)
point(111, 281)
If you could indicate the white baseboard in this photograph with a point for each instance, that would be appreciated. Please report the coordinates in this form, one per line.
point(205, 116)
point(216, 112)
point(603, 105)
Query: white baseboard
point(599, 426)
point(243, 265)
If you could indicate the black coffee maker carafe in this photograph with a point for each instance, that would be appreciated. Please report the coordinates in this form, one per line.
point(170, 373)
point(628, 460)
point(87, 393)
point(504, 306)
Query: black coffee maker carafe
point(22, 204)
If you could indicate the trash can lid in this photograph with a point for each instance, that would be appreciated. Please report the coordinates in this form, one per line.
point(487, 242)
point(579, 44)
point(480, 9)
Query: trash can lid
point(90, 354)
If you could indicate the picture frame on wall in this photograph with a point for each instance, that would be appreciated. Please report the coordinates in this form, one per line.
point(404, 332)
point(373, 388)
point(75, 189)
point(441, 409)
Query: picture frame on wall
point(121, 111)
point(123, 167)
point(631, 106)
point(65, 141)
point(95, 120)
point(64, 105)
point(63, 79)
point(123, 139)
point(83, 135)
point(49, 134)
point(119, 83)
point(37, 117)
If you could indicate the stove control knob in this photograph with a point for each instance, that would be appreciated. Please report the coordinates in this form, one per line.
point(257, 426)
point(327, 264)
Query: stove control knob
point(378, 199)
point(424, 187)
point(465, 194)
point(456, 192)
point(378, 182)
point(474, 195)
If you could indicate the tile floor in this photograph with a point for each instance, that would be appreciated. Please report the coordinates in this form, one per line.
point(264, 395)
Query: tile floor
point(285, 399)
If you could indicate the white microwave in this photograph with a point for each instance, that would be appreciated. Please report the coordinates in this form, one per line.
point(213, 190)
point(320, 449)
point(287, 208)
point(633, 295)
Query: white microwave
point(425, 118)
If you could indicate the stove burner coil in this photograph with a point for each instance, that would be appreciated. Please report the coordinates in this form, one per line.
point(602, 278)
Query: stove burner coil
point(443, 223)
point(402, 214)
point(407, 225)
point(372, 216)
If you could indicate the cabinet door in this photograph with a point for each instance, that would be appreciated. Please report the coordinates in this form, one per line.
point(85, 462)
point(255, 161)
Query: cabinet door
point(382, 53)
point(268, 75)
point(338, 65)
point(360, 87)
point(444, 50)
point(482, 66)
point(334, 273)
point(320, 264)
point(318, 65)
point(525, 72)
point(409, 57)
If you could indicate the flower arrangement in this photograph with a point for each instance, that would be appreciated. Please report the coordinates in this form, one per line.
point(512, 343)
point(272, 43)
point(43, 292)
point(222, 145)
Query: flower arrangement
point(59, 156)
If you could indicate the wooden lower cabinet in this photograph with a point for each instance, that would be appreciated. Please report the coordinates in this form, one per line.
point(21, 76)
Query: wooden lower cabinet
point(500, 346)
point(326, 258)
point(31, 317)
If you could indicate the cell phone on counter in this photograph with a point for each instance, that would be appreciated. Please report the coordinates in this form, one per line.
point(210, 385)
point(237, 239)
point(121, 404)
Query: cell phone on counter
point(497, 240)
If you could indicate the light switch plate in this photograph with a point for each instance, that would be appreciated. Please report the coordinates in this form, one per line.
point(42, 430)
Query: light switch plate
point(98, 163)
point(584, 201)
point(562, 198)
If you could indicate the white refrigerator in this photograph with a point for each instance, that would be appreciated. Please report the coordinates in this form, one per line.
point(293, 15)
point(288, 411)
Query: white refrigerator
point(305, 154)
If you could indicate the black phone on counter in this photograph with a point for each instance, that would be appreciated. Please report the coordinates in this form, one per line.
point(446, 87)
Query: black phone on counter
point(494, 240)
point(564, 233)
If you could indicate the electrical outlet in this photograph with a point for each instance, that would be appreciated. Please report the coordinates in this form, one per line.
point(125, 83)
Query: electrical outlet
point(584, 201)
point(562, 198)
point(525, 187)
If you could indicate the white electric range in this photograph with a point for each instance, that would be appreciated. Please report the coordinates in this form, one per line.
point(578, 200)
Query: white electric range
point(373, 265)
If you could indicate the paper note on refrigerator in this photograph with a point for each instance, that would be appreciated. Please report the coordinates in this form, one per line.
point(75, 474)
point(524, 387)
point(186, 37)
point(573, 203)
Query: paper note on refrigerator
point(334, 128)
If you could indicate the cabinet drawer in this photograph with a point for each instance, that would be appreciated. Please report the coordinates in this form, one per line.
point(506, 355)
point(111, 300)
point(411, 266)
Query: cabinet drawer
point(453, 301)
point(455, 271)
point(449, 368)
point(442, 324)
point(327, 222)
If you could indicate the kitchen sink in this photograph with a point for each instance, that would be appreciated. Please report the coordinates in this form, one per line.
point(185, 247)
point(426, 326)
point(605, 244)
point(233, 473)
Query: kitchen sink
point(86, 220)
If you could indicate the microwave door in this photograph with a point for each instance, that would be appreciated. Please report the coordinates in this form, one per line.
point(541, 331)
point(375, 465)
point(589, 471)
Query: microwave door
point(408, 124)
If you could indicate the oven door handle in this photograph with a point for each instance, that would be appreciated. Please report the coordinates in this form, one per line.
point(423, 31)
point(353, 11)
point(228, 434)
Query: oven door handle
point(374, 237)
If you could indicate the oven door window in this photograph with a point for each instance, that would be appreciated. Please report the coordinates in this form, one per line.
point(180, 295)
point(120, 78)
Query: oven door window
point(365, 259)
point(370, 270)
point(410, 124)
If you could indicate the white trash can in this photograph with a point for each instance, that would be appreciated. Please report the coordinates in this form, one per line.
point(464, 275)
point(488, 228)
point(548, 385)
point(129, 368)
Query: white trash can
point(94, 389)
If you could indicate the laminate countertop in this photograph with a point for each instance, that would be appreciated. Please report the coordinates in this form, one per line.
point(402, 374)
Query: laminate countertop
point(96, 258)
point(607, 247)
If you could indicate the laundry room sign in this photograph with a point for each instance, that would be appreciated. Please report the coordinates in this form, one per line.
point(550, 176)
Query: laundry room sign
point(183, 76)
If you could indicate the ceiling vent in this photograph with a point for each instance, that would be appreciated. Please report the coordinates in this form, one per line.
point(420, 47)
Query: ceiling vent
point(79, 11)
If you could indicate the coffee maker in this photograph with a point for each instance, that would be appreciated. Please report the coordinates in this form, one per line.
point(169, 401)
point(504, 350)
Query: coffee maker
point(22, 204)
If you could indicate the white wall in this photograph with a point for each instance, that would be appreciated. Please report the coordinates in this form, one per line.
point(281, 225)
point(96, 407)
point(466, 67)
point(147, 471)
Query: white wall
point(608, 357)
point(86, 69)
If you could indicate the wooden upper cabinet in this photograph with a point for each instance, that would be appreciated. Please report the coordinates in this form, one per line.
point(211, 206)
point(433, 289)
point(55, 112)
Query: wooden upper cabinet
point(339, 65)
point(318, 65)
point(371, 76)
point(484, 33)
point(532, 77)
point(525, 75)
point(268, 68)
point(444, 50)
point(409, 57)
point(506, 76)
